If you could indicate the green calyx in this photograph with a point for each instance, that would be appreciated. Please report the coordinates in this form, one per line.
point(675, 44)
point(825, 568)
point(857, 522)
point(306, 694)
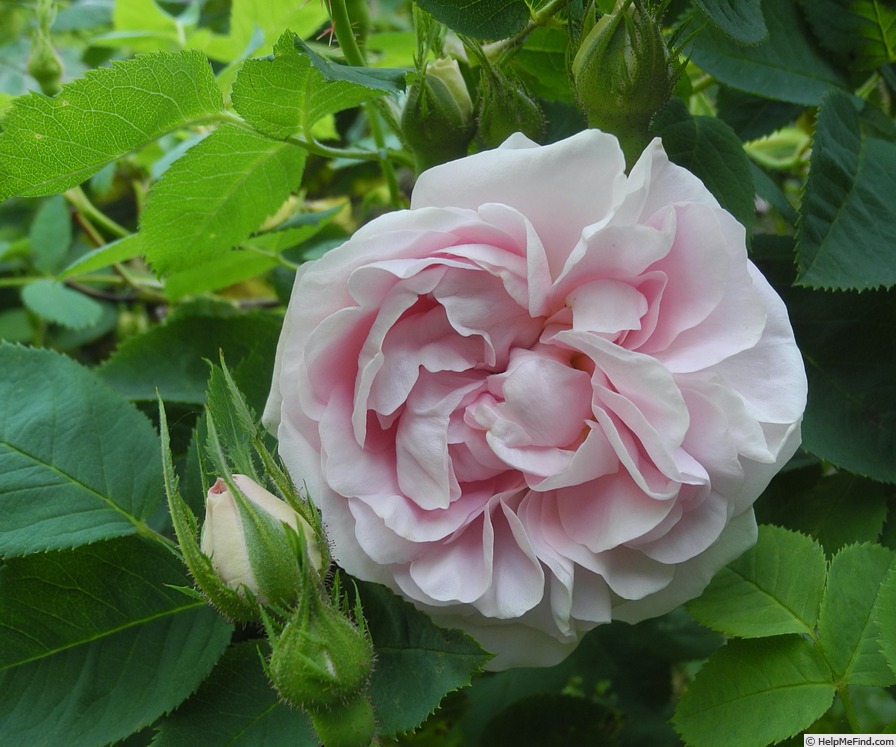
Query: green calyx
point(507, 107)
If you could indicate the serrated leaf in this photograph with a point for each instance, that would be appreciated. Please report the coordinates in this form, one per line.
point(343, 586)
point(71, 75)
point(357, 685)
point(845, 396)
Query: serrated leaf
point(846, 626)
point(78, 462)
point(56, 303)
point(288, 93)
point(773, 588)
point(863, 32)
point(885, 618)
point(417, 662)
point(236, 707)
point(786, 67)
point(740, 20)
point(847, 195)
point(171, 357)
point(51, 233)
point(95, 646)
point(51, 144)
point(480, 19)
point(752, 116)
point(215, 196)
point(755, 692)
point(109, 254)
point(708, 147)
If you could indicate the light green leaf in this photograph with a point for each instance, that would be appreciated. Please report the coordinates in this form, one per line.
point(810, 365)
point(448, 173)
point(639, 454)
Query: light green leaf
point(740, 20)
point(481, 19)
point(215, 196)
point(885, 619)
point(94, 645)
point(219, 272)
point(417, 663)
point(61, 305)
point(142, 26)
point(236, 707)
point(542, 64)
point(77, 462)
point(289, 92)
point(851, 180)
point(51, 234)
point(109, 254)
point(846, 625)
point(51, 144)
point(172, 357)
point(752, 693)
point(773, 588)
point(786, 67)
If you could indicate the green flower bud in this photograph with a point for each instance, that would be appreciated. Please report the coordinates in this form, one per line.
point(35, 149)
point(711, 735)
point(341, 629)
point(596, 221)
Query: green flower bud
point(507, 107)
point(623, 74)
point(252, 538)
point(437, 120)
point(349, 725)
point(322, 660)
point(44, 64)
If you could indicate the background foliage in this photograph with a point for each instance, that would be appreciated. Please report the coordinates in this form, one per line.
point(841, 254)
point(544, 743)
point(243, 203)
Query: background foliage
point(165, 167)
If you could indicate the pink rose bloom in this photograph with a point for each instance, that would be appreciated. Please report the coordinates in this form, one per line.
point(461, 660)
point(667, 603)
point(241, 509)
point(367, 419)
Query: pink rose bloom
point(544, 397)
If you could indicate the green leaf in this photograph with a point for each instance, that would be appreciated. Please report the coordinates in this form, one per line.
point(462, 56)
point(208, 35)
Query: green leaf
point(708, 147)
point(78, 462)
point(542, 64)
point(288, 93)
point(773, 588)
point(885, 618)
point(862, 32)
point(752, 116)
point(786, 67)
point(751, 693)
point(847, 195)
point(481, 19)
point(51, 234)
point(109, 254)
point(740, 20)
point(215, 196)
point(417, 663)
point(846, 625)
point(94, 644)
point(61, 305)
point(236, 707)
point(171, 357)
point(551, 720)
point(220, 272)
point(51, 144)
point(142, 26)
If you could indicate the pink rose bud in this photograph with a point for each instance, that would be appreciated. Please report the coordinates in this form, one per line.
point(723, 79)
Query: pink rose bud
point(249, 545)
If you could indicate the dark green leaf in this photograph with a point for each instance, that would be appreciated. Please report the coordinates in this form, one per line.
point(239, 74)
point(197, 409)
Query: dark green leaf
point(741, 20)
point(846, 625)
point(861, 32)
point(773, 588)
point(288, 93)
point(751, 693)
point(848, 194)
point(78, 462)
point(61, 305)
point(51, 234)
point(751, 116)
point(236, 707)
point(709, 148)
point(172, 357)
point(215, 196)
point(786, 67)
point(50, 144)
point(417, 663)
point(94, 645)
point(481, 19)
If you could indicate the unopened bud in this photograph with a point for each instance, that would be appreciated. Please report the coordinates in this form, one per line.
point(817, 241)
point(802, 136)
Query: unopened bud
point(507, 107)
point(44, 64)
point(437, 120)
point(257, 542)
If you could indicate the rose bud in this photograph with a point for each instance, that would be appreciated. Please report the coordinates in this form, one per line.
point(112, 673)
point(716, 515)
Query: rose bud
point(507, 107)
point(253, 540)
point(437, 120)
point(624, 75)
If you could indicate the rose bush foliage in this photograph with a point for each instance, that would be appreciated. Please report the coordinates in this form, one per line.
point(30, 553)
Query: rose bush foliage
point(544, 397)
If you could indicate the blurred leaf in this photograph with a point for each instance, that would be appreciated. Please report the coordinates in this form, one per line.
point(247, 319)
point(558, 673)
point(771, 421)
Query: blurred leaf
point(885, 619)
point(417, 663)
point(289, 92)
point(78, 462)
point(51, 234)
point(752, 116)
point(741, 20)
point(61, 305)
point(786, 67)
point(480, 19)
point(775, 587)
point(863, 32)
point(171, 357)
point(109, 254)
point(754, 692)
point(215, 196)
point(95, 645)
point(142, 26)
point(236, 707)
point(847, 194)
point(708, 147)
point(542, 65)
point(50, 144)
point(846, 625)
